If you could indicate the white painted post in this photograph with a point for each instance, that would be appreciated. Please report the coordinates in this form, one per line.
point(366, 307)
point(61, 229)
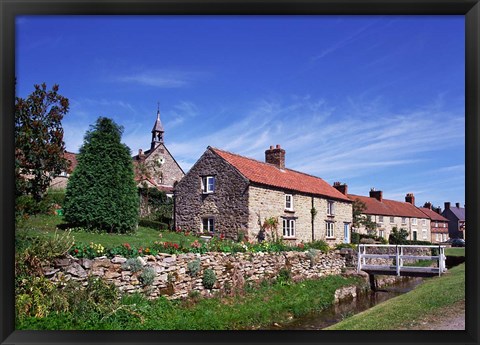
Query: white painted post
point(397, 259)
point(401, 257)
point(359, 262)
point(364, 252)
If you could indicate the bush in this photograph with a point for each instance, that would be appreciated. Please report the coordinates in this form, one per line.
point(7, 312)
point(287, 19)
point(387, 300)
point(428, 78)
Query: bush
point(193, 267)
point(355, 237)
point(346, 245)
point(284, 276)
point(132, 264)
point(320, 245)
point(147, 223)
point(398, 236)
point(147, 276)
point(209, 278)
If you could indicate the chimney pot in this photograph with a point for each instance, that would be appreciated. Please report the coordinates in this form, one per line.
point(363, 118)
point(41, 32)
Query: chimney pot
point(278, 146)
point(271, 147)
point(342, 188)
point(410, 198)
point(377, 194)
point(447, 205)
point(428, 205)
point(457, 204)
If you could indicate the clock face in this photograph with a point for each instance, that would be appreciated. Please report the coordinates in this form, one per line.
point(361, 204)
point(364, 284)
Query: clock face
point(161, 160)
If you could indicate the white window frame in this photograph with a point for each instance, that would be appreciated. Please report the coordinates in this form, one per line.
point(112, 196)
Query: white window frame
point(404, 220)
point(414, 221)
point(444, 225)
point(207, 186)
point(392, 220)
point(288, 228)
point(436, 224)
point(424, 222)
point(424, 234)
point(329, 230)
point(380, 219)
point(437, 237)
point(210, 225)
point(289, 207)
point(381, 233)
point(330, 208)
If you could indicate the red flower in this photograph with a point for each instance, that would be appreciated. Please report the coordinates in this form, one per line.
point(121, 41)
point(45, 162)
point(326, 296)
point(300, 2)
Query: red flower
point(76, 250)
point(222, 236)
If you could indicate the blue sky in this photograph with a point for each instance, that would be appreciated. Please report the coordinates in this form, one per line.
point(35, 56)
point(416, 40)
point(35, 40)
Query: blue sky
point(372, 101)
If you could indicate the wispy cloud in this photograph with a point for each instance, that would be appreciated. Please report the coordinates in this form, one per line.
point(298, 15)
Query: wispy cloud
point(161, 78)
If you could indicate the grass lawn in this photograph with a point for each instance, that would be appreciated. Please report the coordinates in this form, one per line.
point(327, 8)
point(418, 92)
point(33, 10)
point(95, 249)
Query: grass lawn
point(45, 225)
point(456, 251)
point(404, 311)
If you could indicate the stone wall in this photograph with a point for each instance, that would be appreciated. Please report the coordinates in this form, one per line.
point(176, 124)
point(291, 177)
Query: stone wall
point(173, 280)
point(266, 202)
point(163, 174)
point(227, 205)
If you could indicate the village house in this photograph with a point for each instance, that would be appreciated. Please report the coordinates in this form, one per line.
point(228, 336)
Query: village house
point(225, 193)
point(456, 220)
point(60, 181)
point(387, 214)
point(156, 167)
point(438, 223)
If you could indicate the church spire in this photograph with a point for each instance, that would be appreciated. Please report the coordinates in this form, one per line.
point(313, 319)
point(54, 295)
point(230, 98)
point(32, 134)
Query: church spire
point(157, 131)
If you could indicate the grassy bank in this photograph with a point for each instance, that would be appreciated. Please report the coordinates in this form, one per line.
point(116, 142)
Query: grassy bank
point(401, 312)
point(255, 308)
point(457, 251)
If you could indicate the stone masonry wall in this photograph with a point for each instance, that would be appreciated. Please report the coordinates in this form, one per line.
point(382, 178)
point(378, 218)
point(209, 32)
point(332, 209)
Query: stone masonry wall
point(173, 280)
point(167, 173)
point(266, 202)
point(228, 204)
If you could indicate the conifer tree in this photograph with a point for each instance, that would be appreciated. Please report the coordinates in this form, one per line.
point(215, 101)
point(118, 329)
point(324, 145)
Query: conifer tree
point(101, 193)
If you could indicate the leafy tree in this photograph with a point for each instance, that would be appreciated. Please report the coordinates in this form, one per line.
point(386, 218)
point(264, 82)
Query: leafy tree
point(101, 193)
point(39, 145)
point(398, 236)
point(358, 208)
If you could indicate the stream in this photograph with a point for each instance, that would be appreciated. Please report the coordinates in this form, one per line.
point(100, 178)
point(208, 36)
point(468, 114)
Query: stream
point(349, 307)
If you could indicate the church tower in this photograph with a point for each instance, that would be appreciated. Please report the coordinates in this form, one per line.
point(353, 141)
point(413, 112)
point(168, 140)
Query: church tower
point(157, 132)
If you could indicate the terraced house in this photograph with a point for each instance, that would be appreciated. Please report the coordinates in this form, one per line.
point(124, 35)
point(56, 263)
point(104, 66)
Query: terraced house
point(438, 223)
point(388, 214)
point(225, 193)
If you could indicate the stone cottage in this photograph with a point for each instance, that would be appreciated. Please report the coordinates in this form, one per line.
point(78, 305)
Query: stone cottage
point(156, 167)
point(456, 220)
point(438, 223)
point(225, 193)
point(388, 214)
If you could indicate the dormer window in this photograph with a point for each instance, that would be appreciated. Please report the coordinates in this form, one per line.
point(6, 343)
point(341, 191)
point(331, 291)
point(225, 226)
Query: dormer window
point(289, 202)
point(330, 208)
point(208, 184)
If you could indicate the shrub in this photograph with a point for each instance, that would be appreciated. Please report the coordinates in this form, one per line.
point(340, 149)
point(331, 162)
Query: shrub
point(355, 237)
point(345, 245)
point(209, 278)
point(284, 276)
point(320, 245)
point(367, 241)
point(147, 276)
point(312, 256)
point(152, 224)
point(193, 267)
point(398, 236)
point(132, 264)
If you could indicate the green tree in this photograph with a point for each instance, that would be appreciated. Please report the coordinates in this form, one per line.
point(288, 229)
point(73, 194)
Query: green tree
point(398, 236)
point(39, 145)
point(101, 193)
point(358, 208)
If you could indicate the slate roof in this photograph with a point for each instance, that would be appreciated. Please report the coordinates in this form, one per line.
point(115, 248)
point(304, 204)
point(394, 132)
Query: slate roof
point(459, 212)
point(389, 207)
point(433, 215)
point(270, 175)
point(158, 127)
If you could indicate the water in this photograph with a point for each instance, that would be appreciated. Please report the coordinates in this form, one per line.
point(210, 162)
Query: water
point(350, 307)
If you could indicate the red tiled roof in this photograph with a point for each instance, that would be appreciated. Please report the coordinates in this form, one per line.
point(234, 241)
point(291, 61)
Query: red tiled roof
point(270, 175)
point(433, 215)
point(388, 207)
point(72, 159)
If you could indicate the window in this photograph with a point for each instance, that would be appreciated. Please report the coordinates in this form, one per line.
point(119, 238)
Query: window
point(444, 237)
point(208, 184)
point(437, 237)
point(414, 221)
point(289, 202)
point(436, 224)
point(444, 225)
point(330, 208)
point(424, 222)
point(424, 233)
point(208, 225)
point(330, 232)
point(404, 220)
point(380, 219)
point(288, 228)
point(392, 220)
point(381, 233)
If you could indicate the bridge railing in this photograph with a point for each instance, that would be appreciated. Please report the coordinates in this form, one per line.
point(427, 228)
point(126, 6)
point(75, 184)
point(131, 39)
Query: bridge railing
point(399, 256)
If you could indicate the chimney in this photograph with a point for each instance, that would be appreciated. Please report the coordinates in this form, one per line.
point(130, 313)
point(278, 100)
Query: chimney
point(457, 205)
point(140, 154)
point(275, 156)
point(438, 210)
point(447, 205)
point(410, 198)
point(377, 194)
point(342, 188)
point(428, 205)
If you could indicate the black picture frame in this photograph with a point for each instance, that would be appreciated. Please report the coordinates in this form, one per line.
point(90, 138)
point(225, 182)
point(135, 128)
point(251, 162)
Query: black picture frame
point(11, 8)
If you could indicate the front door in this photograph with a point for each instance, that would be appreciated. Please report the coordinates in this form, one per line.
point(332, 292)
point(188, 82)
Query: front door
point(346, 233)
point(414, 233)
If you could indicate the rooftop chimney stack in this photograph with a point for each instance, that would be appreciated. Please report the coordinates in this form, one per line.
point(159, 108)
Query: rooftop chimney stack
point(428, 205)
point(410, 198)
point(275, 156)
point(342, 188)
point(377, 194)
point(457, 205)
point(438, 210)
point(447, 205)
